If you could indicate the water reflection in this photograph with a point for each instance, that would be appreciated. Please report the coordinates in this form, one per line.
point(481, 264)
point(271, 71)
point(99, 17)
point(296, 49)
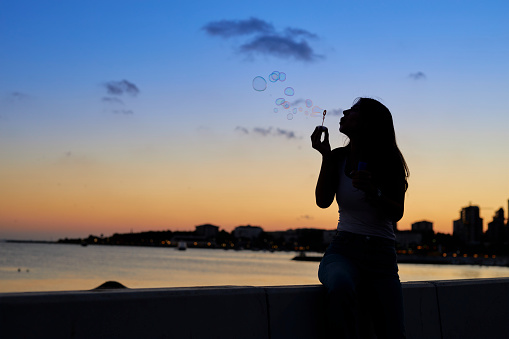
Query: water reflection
point(72, 267)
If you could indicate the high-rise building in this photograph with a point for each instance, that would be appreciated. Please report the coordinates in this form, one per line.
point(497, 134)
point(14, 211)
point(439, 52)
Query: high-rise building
point(469, 227)
point(496, 229)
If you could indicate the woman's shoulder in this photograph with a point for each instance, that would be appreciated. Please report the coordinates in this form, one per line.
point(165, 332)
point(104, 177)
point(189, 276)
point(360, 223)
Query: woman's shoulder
point(337, 155)
point(340, 151)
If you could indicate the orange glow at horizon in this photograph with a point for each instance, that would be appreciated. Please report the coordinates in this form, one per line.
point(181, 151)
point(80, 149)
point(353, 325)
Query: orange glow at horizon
point(274, 190)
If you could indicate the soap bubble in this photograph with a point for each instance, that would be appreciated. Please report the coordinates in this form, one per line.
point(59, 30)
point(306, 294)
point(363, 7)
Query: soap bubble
point(305, 106)
point(259, 84)
point(289, 91)
point(280, 101)
point(317, 112)
point(274, 76)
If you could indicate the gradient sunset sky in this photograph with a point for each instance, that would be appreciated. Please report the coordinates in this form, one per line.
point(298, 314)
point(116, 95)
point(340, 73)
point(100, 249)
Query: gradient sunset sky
point(141, 115)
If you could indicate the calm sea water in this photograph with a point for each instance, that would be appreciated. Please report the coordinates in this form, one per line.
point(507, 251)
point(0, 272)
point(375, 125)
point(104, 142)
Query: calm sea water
point(57, 267)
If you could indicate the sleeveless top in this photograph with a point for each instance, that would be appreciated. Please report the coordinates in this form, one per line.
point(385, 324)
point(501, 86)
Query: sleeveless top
point(356, 214)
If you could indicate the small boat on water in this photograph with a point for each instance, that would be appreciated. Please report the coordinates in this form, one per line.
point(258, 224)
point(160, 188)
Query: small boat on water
point(303, 257)
point(182, 246)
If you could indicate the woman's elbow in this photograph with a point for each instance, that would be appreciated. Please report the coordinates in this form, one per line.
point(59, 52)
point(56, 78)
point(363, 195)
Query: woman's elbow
point(397, 214)
point(323, 203)
point(397, 218)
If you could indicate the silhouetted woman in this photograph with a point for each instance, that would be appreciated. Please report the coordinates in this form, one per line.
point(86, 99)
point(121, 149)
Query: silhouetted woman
point(368, 177)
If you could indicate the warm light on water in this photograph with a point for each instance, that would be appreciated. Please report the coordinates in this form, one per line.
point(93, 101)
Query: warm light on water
point(53, 267)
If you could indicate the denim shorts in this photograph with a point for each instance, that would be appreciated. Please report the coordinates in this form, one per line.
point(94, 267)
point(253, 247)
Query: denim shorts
point(375, 257)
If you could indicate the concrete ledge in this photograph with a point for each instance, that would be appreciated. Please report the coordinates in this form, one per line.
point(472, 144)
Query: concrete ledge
point(472, 309)
point(439, 309)
point(296, 312)
point(422, 317)
point(224, 312)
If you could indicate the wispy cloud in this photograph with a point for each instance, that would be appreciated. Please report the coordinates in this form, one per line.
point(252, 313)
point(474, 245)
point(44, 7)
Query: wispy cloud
point(289, 31)
point(262, 131)
point(16, 102)
point(267, 132)
point(16, 97)
point(121, 87)
point(285, 133)
point(115, 89)
point(280, 46)
point(264, 39)
point(297, 102)
point(229, 28)
point(242, 130)
point(417, 76)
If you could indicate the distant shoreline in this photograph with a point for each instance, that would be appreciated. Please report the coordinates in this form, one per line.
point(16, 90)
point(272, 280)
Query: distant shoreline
point(500, 261)
point(451, 260)
point(435, 260)
point(30, 241)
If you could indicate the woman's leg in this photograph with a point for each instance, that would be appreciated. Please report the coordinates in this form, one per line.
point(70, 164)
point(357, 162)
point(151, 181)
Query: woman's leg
point(340, 276)
point(386, 299)
point(384, 294)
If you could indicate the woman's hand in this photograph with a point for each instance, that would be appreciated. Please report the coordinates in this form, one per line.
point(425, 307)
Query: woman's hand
point(316, 140)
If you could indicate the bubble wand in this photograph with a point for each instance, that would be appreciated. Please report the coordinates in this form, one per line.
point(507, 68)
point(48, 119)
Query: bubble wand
point(323, 119)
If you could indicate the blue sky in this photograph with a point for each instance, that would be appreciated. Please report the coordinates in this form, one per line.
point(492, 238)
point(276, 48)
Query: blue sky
point(148, 106)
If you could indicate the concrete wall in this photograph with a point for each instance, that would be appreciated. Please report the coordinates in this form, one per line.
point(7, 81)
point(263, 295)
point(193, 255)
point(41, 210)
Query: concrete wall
point(441, 309)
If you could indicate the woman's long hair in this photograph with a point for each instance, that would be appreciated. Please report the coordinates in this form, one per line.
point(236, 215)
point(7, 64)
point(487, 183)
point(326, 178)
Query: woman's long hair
point(379, 140)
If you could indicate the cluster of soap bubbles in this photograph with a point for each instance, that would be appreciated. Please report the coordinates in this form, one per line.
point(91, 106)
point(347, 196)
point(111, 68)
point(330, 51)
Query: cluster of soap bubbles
point(260, 85)
point(275, 76)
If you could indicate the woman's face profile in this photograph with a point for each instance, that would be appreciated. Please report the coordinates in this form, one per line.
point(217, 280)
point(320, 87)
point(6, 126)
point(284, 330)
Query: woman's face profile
point(350, 123)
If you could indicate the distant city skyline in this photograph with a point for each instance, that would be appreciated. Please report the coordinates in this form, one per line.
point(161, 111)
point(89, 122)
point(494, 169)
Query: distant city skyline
point(467, 245)
point(470, 228)
point(142, 115)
